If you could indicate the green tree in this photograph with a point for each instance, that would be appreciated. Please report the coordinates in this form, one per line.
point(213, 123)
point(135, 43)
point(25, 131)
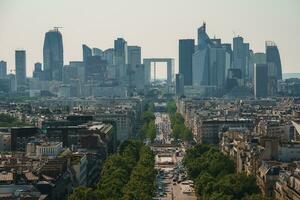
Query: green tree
point(83, 193)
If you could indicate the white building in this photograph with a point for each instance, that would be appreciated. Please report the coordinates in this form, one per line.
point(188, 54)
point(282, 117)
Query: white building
point(49, 149)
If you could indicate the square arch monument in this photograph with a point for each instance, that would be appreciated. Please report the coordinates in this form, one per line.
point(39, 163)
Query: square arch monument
point(170, 69)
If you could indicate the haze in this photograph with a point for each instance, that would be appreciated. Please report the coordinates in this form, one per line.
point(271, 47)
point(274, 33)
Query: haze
point(155, 25)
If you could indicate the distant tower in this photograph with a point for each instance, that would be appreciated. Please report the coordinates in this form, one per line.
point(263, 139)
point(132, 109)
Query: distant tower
point(20, 59)
point(273, 56)
point(53, 55)
point(121, 51)
point(86, 52)
point(179, 85)
point(3, 69)
point(260, 80)
point(186, 51)
point(134, 55)
point(241, 56)
point(37, 73)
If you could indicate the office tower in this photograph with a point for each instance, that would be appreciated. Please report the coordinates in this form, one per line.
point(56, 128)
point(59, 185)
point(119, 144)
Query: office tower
point(37, 73)
point(20, 60)
point(228, 58)
point(218, 66)
point(3, 69)
point(179, 85)
point(186, 51)
point(121, 59)
point(95, 70)
point(86, 52)
point(134, 55)
point(200, 60)
point(97, 52)
point(241, 56)
point(203, 39)
point(13, 82)
point(134, 59)
point(260, 80)
point(69, 73)
point(80, 69)
point(139, 78)
point(255, 58)
point(273, 56)
point(109, 56)
point(120, 47)
point(53, 55)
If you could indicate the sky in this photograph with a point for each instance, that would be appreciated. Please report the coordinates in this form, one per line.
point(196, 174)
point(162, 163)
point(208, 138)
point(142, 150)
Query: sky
point(155, 25)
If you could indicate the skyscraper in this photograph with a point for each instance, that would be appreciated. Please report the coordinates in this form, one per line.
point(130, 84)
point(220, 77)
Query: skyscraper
point(37, 73)
point(97, 52)
point(3, 69)
point(203, 38)
point(273, 56)
point(241, 56)
point(134, 55)
point(186, 51)
point(200, 60)
point(120, 47)
point(121, 59)
point(179, 84)
point(53, 55)
point(86, 52)
point(260, 80)
point(20, 59)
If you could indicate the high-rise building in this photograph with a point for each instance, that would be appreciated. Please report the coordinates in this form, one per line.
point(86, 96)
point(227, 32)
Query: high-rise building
point(53, 55)
point(121, 59)
point(120, 47)
point(37, 73)
point(255, 58)
point(203, 38)
point(3, 69)
point(97, 52)
point(260, 80)
point(179, 84)
point(210, 64)
point(186, 51)
point(95, 70)
point(86, 52)
point(134, 55)
point(200, 60)
point(109, 56)
point(241, 56)
point(20, 59)
point(273, 56)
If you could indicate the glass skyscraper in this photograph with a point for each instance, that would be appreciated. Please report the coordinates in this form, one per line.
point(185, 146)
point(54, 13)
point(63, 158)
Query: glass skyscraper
point(20, 59)
point(53, 55)
point(186, 51)
point(273, 56)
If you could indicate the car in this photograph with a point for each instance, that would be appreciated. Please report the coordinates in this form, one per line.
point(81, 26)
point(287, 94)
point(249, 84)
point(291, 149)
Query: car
point(174, 183)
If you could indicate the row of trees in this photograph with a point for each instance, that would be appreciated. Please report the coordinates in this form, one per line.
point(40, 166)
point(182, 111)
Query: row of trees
point(180, 131)
point(177, 123)
point(129, 173)
point(148, 129)
point(142, 179)
point(215, 178)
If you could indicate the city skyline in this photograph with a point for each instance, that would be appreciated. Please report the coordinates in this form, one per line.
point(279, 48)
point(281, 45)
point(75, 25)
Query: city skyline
point(149, 34)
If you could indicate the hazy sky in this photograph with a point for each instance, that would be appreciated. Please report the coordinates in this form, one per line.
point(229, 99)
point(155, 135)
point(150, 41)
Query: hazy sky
point(155, 25)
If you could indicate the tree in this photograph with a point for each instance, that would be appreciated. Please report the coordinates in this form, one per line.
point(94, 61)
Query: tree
point(83, 193)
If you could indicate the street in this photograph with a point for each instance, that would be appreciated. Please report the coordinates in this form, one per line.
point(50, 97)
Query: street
point(172, 180)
